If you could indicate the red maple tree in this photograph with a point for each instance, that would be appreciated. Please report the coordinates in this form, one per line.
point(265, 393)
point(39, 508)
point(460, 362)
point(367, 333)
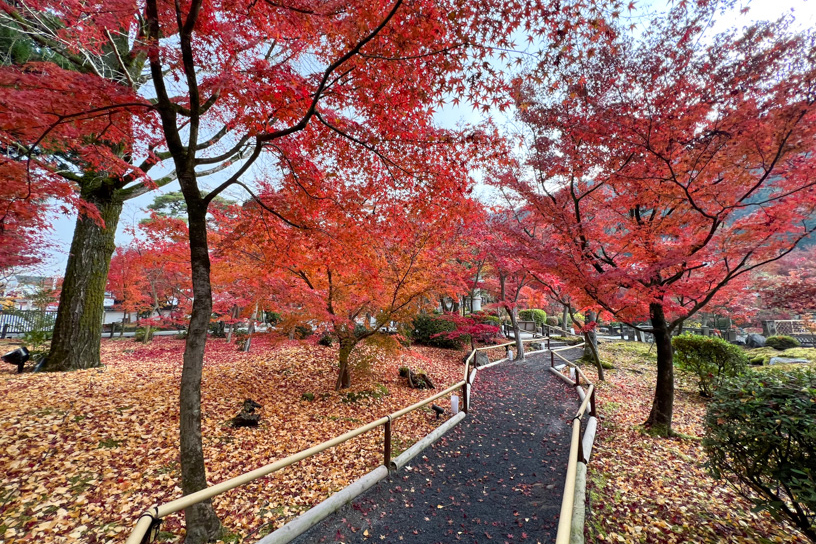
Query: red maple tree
point(232, 82)
point(668, 166)
point(790, 285)
point(366, 254)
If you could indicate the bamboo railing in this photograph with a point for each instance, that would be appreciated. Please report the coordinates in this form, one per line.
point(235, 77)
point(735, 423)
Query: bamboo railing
point(148, 523)
point(577, 453)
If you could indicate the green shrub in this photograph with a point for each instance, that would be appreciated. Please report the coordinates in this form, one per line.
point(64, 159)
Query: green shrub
point(426, 326)
point(711, 359)
point(552, 321)
point(307, 396)
point(539, 316)
point(404, 334)
point(326, 340)
point(218, 329)
point(781, 342)
point(144, 334)
point(303, 331)
point(761, 429)
point(40, 329)
point(240, 339)
point(491, 320)
point(272, 318)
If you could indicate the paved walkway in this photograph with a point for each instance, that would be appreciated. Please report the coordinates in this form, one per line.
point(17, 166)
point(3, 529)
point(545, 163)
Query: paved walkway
point(496, 477)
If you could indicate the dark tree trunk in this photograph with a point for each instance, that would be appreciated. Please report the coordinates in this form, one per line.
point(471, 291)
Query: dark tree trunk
point(517, 335)
point(660, 418)
point(201, 521)
point(591, 340)
point(564, 319)
point(78, 328)
point(344, 373)
point(592, 350)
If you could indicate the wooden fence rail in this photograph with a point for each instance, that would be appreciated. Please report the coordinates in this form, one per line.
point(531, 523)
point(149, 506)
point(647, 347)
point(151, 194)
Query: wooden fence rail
point(148, 523)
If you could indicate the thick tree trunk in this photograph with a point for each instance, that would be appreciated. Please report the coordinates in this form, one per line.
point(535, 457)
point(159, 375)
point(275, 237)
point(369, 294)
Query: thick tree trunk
point(660, 418)
point(344, 372)
point(517, 335)
point(201, 521)
point(78, 328)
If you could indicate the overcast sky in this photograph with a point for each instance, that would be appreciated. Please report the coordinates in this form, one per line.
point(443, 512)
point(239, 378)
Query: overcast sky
point(804, 12)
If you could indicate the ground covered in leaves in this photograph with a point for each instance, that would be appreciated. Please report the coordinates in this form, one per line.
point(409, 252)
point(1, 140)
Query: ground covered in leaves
point(83, 454)
point(498, 476)
point(645, 489)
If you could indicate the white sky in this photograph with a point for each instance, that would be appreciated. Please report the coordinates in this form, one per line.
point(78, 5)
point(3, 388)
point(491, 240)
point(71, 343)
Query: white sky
point(804, 12)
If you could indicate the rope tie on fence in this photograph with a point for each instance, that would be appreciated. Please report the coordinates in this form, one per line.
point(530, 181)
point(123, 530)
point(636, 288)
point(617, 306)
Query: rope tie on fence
point(155, 523)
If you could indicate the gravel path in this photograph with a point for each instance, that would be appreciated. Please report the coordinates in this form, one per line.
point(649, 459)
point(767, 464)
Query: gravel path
point(496, 477)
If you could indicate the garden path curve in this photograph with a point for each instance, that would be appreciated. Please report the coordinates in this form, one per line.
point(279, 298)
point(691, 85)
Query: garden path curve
point(496, 477)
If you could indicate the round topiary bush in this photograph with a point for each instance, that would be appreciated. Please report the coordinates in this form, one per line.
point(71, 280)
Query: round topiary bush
point(760, 430)
point(552, 321)
point(710, 359)
point(781, 342)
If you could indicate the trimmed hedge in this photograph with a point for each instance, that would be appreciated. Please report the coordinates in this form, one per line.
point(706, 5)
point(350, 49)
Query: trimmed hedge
point(781, 342)
point(761, 428)
point(486, 318)
point(539, 316)
point(711, 359)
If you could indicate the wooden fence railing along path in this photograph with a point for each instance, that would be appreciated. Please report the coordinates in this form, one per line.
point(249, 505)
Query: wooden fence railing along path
point(571, 520)
point(147, 526)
